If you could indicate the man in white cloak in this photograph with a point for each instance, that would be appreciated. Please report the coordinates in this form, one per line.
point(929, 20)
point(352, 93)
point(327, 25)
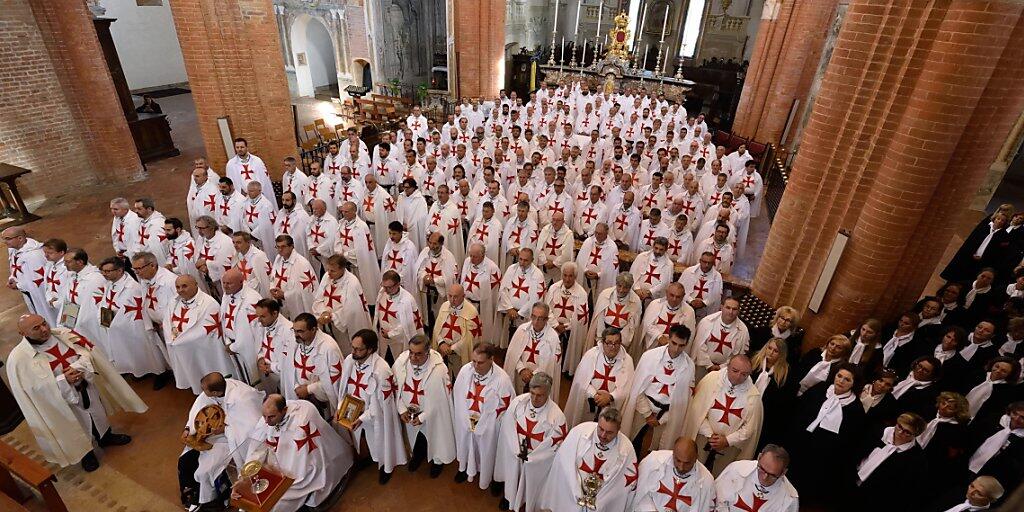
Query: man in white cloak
point(425, 405)
point(239, 320)
point(355, 243)
point(652, 271)
point(252, 262)
point(674, 480)
point(412, 212)
point(619, 307)
point(26, 269)
point(313, 367)
point(66, 388)
point(396, 317)
point(487, 231)
point(444, 218)
point(436, 269)
point(598, 258)
point(703, 286)
point(321, 235)
point(602, 379)
point(130, 343)
point(527, 440)
point(534, 347)
point(481, 395)
point(481, 279)
point(759, 484)
point(662, 314)
point(456, 327)
point(570, 315)
point(378, 210)
point(276, 339)
point(555, 247)
point(521, 287)
point(195, 336)
point(293, 281)
point(292, 219)
point(340, 304)
point(83, 282)
point(150, 237)
point(595, 465)
point(258, 218)
point(725, 415)
point(719, 336)
point(246, 167)
point(400, 254)
point(214, 252)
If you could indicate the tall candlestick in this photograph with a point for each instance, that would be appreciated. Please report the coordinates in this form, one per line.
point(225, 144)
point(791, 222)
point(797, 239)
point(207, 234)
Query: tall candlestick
point(554, 24)
point(584, 59)
point(579, 5)
point(643, 63)
point(600, 11)
point(561, 60)
point(639, 33)
point(664, 24)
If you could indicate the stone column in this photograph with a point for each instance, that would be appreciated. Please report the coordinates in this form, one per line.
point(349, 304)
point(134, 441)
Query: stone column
point(912, 110)
point(479, 33)
point(232, 51)
point(786, 54)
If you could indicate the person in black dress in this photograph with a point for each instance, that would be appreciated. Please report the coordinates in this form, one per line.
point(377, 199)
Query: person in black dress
point(892, 471)
point(930, 328)
point(980, 249)
point(771, 371)
point(994, 389)
point(953, 339)
point(816, 366)
point(783, 326)
point(866, 351)
point(918, 391)
point(879, 404)
point(982, 299)
point(951, 295)
point(1014, 344)
point(828, 424)
point(997, 447)
point(904, 346)
point(944, 440)
point(1013, 254)
point(962, 369)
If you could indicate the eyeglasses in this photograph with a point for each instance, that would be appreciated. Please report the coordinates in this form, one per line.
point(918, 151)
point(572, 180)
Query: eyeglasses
point(767, 474)
point(905, 430)
point(140, 267)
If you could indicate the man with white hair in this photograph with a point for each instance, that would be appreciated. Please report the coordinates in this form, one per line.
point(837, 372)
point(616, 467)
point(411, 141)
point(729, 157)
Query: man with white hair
point(725, 415)
point(125, 227)
point(195, 336)
point(981, 493)
point(481, 278)
point(202, 193)
point(27, 266)
point(321, 235)
point(150, 237)
point(521, 287)
point(424, 403)
point(618, 306)
point(258, 218)
point(534, 347)
point(436, 268)
point(128, 339)
point(528, 438)
point(555, 247)
point(214, 252)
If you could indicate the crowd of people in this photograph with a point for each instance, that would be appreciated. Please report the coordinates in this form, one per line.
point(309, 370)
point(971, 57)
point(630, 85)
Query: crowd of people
point(434, 299)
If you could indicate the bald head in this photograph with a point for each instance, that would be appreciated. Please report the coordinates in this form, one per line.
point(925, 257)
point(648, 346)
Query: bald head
point(684, 454)
point(34, 328)
point(15, 237)
point(186, 286)
point(232, 281)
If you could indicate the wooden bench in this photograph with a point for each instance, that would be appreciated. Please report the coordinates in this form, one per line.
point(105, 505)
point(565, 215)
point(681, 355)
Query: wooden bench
point(15, 464)
point(13, 205)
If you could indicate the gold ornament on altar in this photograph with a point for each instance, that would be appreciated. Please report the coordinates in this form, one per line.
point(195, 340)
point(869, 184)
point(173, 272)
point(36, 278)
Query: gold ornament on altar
point(210, 421)
point(618, 38)
point(251, 470)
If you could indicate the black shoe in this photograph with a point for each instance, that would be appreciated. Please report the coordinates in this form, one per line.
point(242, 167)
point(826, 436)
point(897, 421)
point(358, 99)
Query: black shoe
point(90, 463)
point(363, 463)
point(435, 470)
point(496, 488)
point(383, 477)
point(161, 380)
point(460, 477)
point(504, 505)
point(112, 439)
point(415, 463)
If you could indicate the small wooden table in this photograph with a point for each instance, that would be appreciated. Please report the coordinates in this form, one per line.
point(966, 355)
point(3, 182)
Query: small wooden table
point(13, 205)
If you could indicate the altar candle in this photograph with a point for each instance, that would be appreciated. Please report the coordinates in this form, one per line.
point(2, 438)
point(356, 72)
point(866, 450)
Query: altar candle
point(579, 5)
point(562, 58)
point(664, 24)
point(643, 64)
point(600, 11)
point(554, 25)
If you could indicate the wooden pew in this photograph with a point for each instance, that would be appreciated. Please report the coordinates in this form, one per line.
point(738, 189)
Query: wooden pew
point(15, 464)
point(13, 205)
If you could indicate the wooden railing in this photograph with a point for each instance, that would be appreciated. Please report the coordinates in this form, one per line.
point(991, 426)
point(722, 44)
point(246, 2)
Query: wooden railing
point(14, 464)
point(776, 177)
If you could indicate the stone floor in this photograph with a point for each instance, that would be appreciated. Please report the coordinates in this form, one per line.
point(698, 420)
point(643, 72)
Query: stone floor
point(142, 477)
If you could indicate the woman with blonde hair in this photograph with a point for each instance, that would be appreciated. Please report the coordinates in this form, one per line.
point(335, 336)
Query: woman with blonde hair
point(783, 326)
point(770, 370)
point(944, 439)
point(816, 366)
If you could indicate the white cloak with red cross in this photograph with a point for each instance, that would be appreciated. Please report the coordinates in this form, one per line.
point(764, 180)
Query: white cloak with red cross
point(123, 231)
point(660, 317)
point(371, 380)
point(518, 234)
point(378, 209)
point(202, 200)
point(555, 247)
point(659, 488)
point(442, 269)
point(478, 404)
point(27, 269)
point(351, 191)
point(569, 306)
point(680, 246)
point(182, 257)
point(251, 169)
point(427, 389)
point(600, 257)
point(130, 342)
point(306, 448)
point(520, 289)
point(735, 412)
point(294, 223)
point(668, 381)
point(217, 252)
point(594, 374)
point(624, 225)
point(255, 267)
point(295, 182)
point(399, 317)
point(229, 210)
point(537, 352)
point(195, 341)
point(50, 417)
point(79, 289)
point(316, 365)
point(355, 243)
point(458, 327)
point(735, 490)
point(444, 219)
point(578, 459)
point(651, 273)
point(724, 254)
point(610, 310)
point(242, 330)
point(275, 342)
point(321, 235)
point(715, 341)
point(481, 283)
point(536, 433)
point(151, 238)
point(401, 257)
point(160, 295)
point(343, 300)
point(487, 233)
point(704, 286)
point(297, 280)
point(649, 233)
point(257, 218)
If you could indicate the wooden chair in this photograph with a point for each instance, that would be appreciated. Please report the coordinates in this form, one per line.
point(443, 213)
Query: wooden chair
point(15, 464)
point(310, 144)
point(339, 131)
point(721, 137)
point(326, 134)
point(309, 131)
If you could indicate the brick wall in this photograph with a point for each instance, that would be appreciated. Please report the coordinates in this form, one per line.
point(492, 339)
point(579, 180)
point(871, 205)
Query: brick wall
point(915, 102)
point(235, 68)
point(480, 45)
point(358, 40)
point(61, 117)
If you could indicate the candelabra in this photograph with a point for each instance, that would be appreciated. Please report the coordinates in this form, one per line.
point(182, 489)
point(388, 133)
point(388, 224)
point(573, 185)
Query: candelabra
point(576, 54)
point(657, 63)
point(551, 61)
point(679, 69)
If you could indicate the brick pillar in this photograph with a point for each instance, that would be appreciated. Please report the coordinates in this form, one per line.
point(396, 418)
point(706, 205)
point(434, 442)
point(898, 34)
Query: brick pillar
point(916, 100)
point(479, 32)
point(233, 59)
point(786, 55)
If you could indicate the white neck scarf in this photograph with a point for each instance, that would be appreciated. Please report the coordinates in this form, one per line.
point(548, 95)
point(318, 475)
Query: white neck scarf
point(966, 507)
point(830, 415)
point(929, 430)
point(993, 445)
point(942, 354)
point(1009, 347)
point(908, 383)
point(858, 351)
point(981, 393)
point(764, 377)
point(880, 454)
point(894, 343)
point(869, 400)
point(972, 347)
point(988, 238)
point(818, 373)
point(973, 293)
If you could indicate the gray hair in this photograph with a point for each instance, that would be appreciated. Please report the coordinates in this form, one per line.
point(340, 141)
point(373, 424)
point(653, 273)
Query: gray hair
point(570, 266)
point(145, 257)
point(120, 202)
point(541, 380)
point(778, 452)
point(209, 220)
point(611, 415)
point(625, 279)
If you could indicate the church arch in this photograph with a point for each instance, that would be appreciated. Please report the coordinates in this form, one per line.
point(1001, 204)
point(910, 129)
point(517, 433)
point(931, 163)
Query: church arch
point(314, 50)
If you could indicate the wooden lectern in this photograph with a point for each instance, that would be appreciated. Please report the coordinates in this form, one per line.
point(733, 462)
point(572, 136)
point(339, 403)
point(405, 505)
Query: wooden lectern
point(273, 484)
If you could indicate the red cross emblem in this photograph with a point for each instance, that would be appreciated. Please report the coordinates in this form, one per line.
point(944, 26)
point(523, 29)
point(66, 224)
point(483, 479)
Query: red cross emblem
point(748, 181)
point(722, 340)
point(329, 294)
point(632, 474)
point(527, 433)
point(563, 431)
point(413, 390)
point(335, 372)
point(688, 208)
point(307, 441)
point(62, 359)
point(346, 193)
point(727, 409)
point(595, 255)
point(244, 268)
point(650, 276)
point(464, 209)
point(73, 292)
point(591, 153)
point(346, 237)
point(432, 271)
point(564, 307)
point(715, 198)
point(272, 442)
point(435, 219)
point(476, 396)
point(309, 279)
point(42, 276)
point(358, 386)
point(316, 233)
point(649, 237)
point(229, 317)
point(701, 288)
point(589, 216)
point(210, 204)
point(585, 122)
point(620, 221)
point(472, 282)
point(453, 225)
point(267, 346)
point(704, 152)
point(757, 503)
point(452, 327)
point(475, 160)
point(246, 172)
point(674, 494)
point(180, 320)
point(532, 349)
point(616, 315)
point(224, 206)
point(368, 204)
point(666, 322)
point(386, 311)
point(303, 366)
point(416, 126)
point(605, 377)
point(251, 214)
point(592, 469)
point(483, 231)
point(565, 144)
point(120, 231)
point(280, 278)
point(382, 169)
point(395, 259)
point(52, 280)
point(334, 167)
point(675, 246)
point(521, 287)
point(215, 325)
point(389, 204)
point(134, 308)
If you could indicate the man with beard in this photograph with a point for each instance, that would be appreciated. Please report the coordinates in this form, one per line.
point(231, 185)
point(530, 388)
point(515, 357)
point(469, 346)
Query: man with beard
point(602, 379)
point(252, 262)
point(246, 167)
point(292, 220)
point(425, 405)
point(482, 393)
